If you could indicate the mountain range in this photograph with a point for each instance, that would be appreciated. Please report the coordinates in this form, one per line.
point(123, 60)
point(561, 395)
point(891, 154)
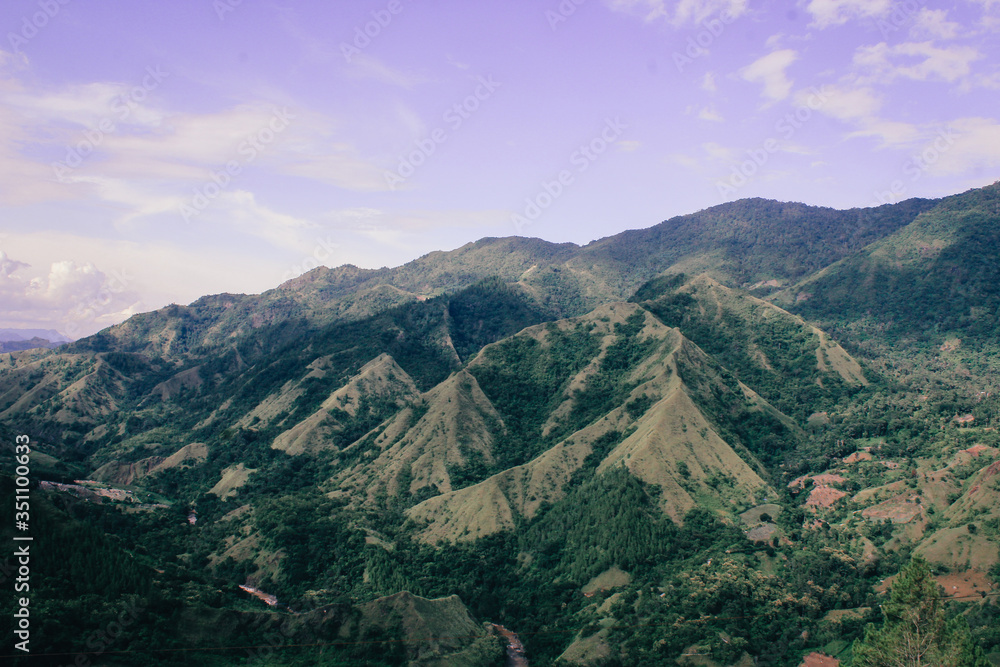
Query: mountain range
point(712, 437)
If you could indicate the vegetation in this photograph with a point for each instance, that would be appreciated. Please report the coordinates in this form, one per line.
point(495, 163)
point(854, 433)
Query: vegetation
point(915, 630)
point(490, 436)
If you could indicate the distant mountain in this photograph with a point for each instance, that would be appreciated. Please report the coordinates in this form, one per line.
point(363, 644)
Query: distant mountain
point(753, 243)
point(13, 340)
point(51, 335)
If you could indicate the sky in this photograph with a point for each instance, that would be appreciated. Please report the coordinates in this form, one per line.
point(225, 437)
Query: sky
point(153, 152)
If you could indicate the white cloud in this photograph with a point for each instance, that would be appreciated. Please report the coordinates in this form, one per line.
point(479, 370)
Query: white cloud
point(719, 152)
point(681, 12)
point(883, 63)
point(967, 145)
point(708, 82)
point(774, 41)
point(770, 71)
point(683, 160)
point(934, 23)
point(10, 62)
point(241, 210)
point(75, 299)
point(161, 272)
point(827, 13)
point(990, 81)
point(844, 103)
point(696, 11)
point(113, 137)
point(859, 106)
point(363, 66)
point(8, 266)
point(890, 133)
point(709, 113)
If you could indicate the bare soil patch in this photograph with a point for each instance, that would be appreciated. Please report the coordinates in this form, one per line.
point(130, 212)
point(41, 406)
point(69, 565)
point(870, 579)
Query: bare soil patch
point(970, 583)
point(824, 496)
point(762, 533)
point(901, 509)
point(967, 584)
point(815, 659)
point(858, 456)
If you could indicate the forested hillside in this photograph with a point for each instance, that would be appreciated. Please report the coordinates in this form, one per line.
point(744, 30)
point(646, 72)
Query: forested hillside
point(711, 442)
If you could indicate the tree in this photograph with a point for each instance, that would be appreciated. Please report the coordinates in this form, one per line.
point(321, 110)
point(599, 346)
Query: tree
point(915, 631)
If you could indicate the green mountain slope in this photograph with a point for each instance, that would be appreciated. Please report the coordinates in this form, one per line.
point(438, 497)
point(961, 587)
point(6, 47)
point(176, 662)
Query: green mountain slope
point(629, 405)
point(789, 362)
point(935, 283)
point(740, 243)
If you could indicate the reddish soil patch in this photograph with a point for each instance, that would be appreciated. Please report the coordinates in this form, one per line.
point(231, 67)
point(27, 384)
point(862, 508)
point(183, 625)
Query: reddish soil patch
point(976, 450)
point(819, 660)
point(515, 649)
point(962, 420)
point(901, 509)
point(798, 482)
point(968, 584)
point(824, 496)
point(819, 480)
point(269, 599)
point(827, 478)
point(991, 471)
point(971, 583)
point(858, 456)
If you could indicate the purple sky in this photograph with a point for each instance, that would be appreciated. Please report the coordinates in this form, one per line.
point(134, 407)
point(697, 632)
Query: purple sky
point(155, 152)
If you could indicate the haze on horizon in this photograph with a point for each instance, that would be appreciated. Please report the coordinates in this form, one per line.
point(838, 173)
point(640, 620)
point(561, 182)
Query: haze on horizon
point(152, 154)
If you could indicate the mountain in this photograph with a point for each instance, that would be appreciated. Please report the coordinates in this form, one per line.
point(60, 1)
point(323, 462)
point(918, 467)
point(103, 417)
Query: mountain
point(717, 437)
point(931, 285)
point(622, 400)
point(13, 340)
point(790, 362)
point(752, 243)
point(13, 335)
point(747, 243)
